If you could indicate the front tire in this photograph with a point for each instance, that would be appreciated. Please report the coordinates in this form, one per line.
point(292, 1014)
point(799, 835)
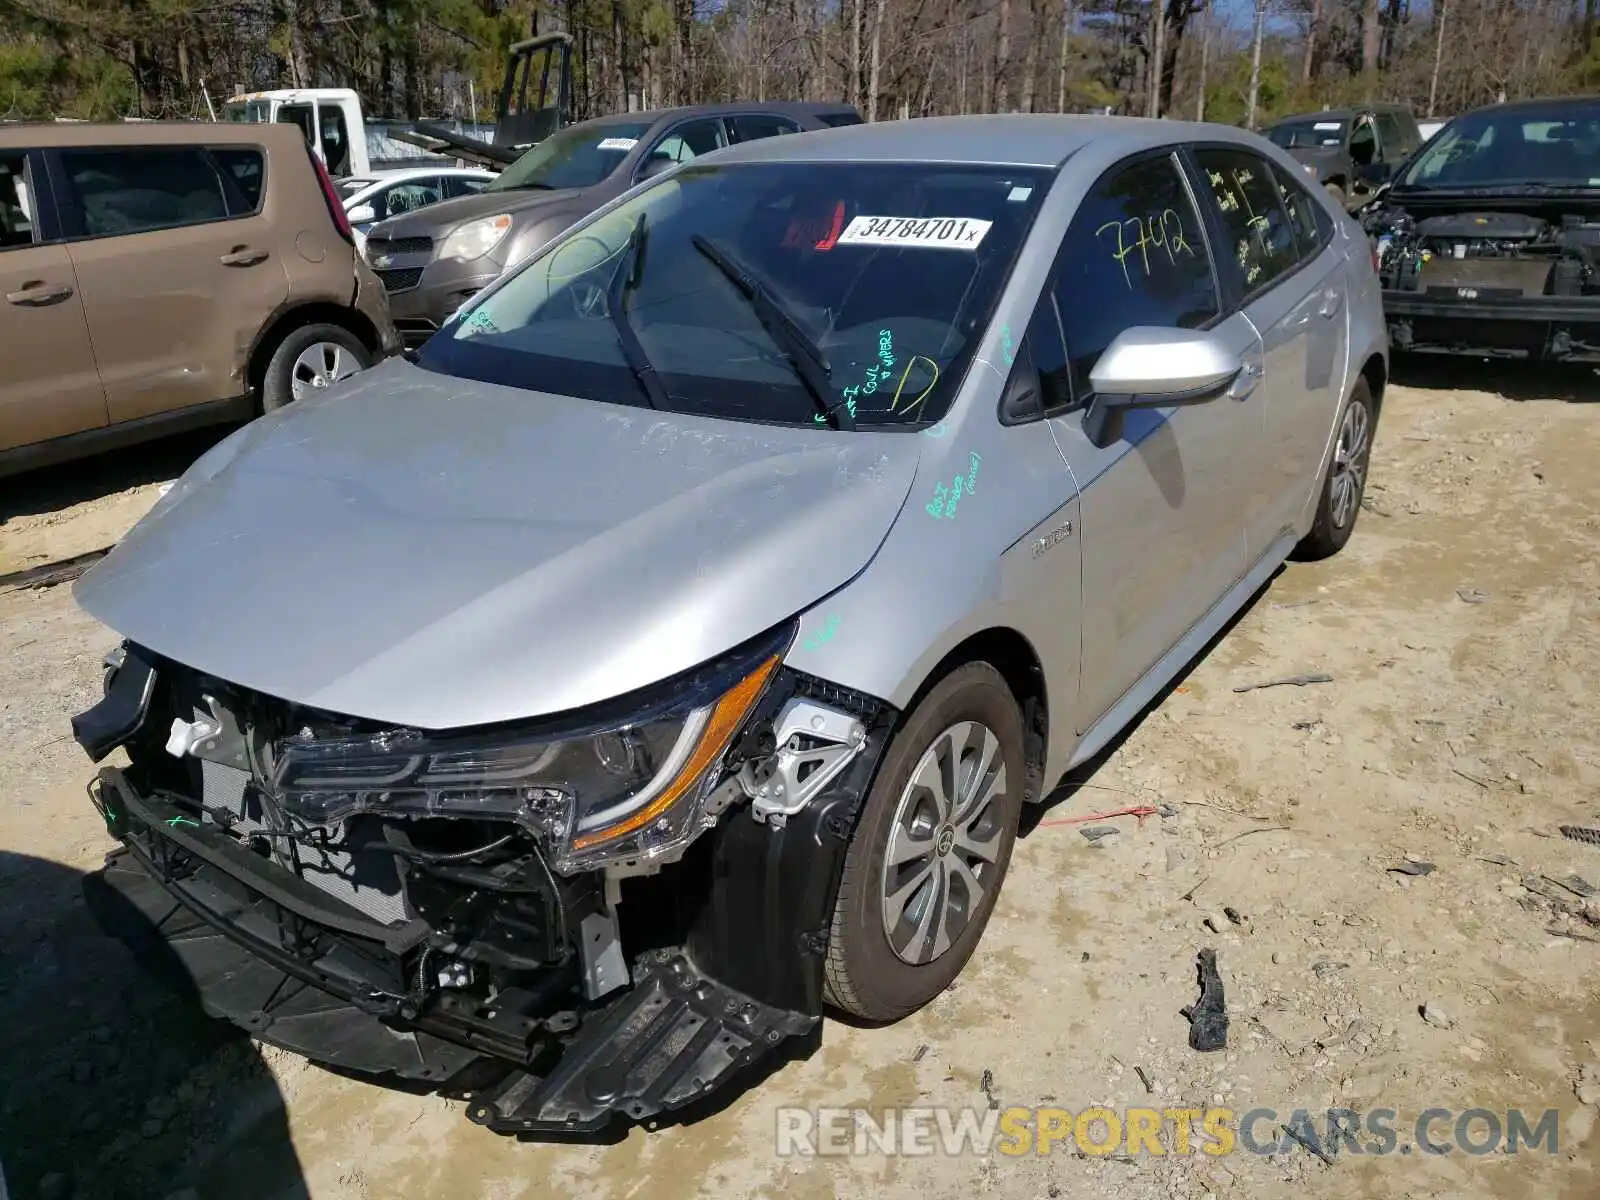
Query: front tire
point(1345, 482)
point(310, 360)
point(931, 849)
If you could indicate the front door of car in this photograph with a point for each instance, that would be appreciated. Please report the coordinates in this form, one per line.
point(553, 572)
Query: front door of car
point(1288, 284)
point(684, 141)
point(1161, 513)
point(179, 269)
point(49, 385)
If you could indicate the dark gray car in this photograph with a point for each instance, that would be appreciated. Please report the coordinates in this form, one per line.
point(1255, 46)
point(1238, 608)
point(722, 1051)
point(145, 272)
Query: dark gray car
point(1351, 151)
point(432, 262)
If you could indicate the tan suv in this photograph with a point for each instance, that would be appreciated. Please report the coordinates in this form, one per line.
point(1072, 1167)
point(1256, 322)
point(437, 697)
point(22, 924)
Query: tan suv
point(165, 276)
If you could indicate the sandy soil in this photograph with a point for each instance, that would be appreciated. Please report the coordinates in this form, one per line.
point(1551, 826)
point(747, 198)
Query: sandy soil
point(1460, 630)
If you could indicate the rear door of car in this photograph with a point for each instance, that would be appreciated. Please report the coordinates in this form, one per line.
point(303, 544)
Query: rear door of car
point(179, 265)
point(752, 127)
point(49, 385)
point(1294, 299)
point(1162, 507)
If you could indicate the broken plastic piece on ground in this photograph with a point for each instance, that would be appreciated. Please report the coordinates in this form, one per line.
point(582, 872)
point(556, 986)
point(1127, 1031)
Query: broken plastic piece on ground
point(1412, 867)
point(1208, 1017)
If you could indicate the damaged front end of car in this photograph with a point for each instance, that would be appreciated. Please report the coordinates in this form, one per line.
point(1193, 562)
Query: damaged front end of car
point(1508, 276)
point(560, 922)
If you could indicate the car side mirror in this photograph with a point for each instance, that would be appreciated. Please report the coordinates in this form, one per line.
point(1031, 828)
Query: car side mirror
point(361, 214)
point(655, 165)
point(1155, 367)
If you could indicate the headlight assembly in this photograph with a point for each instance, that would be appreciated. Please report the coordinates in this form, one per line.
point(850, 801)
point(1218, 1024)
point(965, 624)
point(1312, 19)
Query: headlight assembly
point(475, 238)
point(617, 790)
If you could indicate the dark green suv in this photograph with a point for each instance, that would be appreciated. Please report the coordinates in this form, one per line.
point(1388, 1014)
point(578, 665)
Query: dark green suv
point(1351, 151)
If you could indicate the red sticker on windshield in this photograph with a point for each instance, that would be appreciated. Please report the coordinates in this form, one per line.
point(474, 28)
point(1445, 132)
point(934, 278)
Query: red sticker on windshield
point(832, 239)
point(816, 233)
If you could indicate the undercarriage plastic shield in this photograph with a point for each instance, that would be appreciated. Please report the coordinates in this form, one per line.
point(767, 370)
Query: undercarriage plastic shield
point(670, 1040)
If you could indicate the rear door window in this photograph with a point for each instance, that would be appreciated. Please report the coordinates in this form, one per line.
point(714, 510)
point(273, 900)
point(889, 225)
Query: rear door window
point(1134, 255)
point(1396, 143)
point(17, 210)
point(1312, 228)
point(247, 169)
point(754, 126)
point(127, 191)
point(1258, 242)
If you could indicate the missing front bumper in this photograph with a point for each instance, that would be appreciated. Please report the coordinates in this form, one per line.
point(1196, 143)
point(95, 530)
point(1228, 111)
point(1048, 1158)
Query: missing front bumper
point(300, 969)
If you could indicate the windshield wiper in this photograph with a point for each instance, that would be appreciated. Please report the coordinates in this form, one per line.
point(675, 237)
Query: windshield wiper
point(623, 278)
point(810, 364)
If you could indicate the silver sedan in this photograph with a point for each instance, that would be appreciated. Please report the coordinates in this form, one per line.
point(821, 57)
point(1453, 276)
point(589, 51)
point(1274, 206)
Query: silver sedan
point(673, 643)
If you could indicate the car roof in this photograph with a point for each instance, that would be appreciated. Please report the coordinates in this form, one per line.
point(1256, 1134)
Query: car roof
point(1540, 104)
point(656, 116)
point(49, 135)
point(1017, 140)
point(1342, 114)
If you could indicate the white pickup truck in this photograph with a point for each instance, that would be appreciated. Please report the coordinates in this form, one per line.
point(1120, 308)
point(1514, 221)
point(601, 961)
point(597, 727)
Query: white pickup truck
point(348, 143)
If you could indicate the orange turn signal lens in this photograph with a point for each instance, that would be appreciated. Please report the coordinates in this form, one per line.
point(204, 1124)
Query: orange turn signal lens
point(726, 718)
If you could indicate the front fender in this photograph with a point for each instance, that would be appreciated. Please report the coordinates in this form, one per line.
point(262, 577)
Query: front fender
point(939, 580)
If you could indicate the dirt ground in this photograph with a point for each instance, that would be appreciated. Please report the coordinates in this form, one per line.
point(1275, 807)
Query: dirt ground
point(1460, 629)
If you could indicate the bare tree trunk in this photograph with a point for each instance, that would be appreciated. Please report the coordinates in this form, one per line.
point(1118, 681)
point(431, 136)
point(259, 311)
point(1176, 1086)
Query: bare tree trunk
point(961, 80)
point(618, 49)
point(855, 53)
point(1588, 28)
point(1069, 18)
point(1255, 63)
point(1438, 57)
point(1371, 41)
point(1308, 64)
point(1158, 55)
point(877, 48)
point(1205, 52)
point(1002, 58)
point(1030, 62)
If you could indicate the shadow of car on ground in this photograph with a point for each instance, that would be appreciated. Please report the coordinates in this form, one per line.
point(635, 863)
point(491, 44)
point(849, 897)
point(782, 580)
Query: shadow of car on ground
point(115, 1083)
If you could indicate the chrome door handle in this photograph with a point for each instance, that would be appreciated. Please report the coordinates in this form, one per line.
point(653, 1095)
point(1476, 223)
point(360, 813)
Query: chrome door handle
point(1246, 382)
point(244, 256)
point(35, 294)
point(1331, 303)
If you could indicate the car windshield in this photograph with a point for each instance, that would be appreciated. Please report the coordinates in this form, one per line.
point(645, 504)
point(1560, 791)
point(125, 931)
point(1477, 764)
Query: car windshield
point(1302, 135)
point(1556, 145)
point(247, 112)
point(579, 156)
point(886, 274)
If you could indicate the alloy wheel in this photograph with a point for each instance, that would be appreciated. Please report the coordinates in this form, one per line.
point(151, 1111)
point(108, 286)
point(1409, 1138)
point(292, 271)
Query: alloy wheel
point(944, 842)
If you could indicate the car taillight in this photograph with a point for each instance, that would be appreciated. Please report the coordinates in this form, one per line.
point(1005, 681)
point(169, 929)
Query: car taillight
point(331, 197)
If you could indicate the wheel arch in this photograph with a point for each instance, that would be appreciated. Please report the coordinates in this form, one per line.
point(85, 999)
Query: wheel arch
point(320, 312)
point(1011, 654)
point(1376, 372)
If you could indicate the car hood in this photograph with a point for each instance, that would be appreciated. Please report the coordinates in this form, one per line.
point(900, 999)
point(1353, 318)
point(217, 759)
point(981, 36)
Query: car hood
point(438, 553)
point(438, 219)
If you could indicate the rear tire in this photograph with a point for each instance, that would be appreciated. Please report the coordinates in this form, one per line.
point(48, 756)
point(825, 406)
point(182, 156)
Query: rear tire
point(308, 361)
point(946, 801)
point(1345, 482)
